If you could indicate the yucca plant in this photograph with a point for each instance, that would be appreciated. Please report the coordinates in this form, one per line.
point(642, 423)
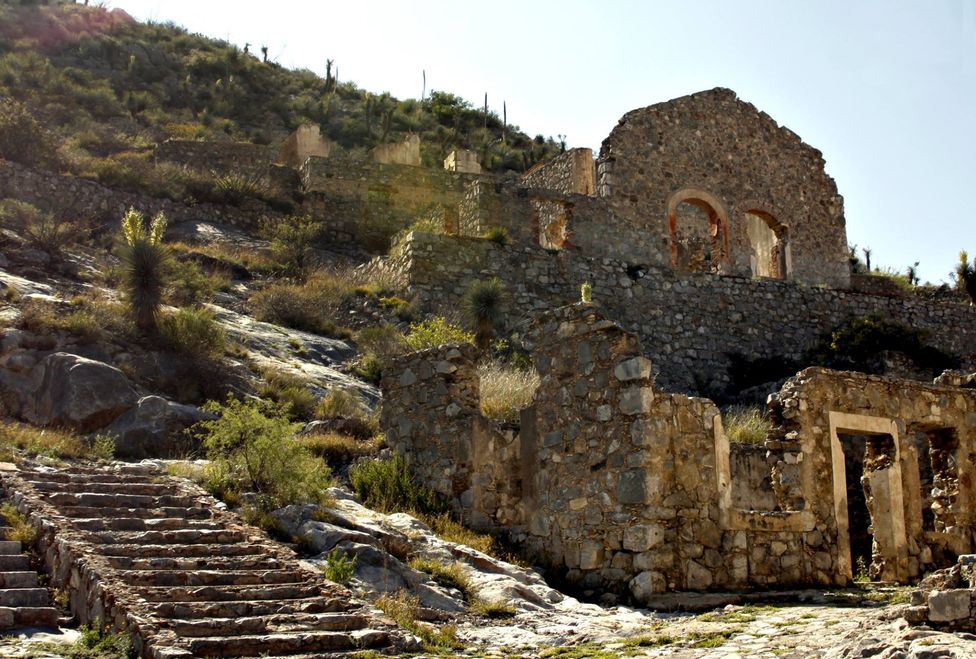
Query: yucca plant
point(966, 276)
point(484, 303)
point(144, 257)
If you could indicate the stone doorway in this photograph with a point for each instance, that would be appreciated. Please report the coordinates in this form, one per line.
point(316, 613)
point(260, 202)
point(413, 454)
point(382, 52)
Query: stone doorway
point(867, 481)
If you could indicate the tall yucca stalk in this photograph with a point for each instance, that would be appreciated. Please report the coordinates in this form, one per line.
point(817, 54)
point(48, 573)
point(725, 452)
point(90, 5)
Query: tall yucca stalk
point(966, 276)
point(145, 258)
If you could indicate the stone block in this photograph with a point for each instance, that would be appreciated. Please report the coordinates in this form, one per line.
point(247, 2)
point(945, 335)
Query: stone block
point(949, 605)
point(641, 537)
point(630, 489)
point(647, 584)
point(698, 577)
point(591, 555)
point(635, 368)
point(636, 400)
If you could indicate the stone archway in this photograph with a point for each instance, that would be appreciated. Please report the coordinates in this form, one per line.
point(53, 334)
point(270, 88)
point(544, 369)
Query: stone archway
point(698, 224)
point(769, 245)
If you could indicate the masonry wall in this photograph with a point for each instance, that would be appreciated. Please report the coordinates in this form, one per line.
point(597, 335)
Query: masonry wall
point(818, 406)
point(366, 203)
point(79, 197)
point(572, 172)
point(689, 323)
point(741, 160)
point(221, 157)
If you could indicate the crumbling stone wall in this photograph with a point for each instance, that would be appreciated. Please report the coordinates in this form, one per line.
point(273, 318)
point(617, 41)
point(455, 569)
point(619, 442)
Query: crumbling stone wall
point(222, 157)
point(689, 323)
point(306, 141)
point(819, 407)
point(572, 172)
point(716, 151)
point(81, 198)
point(365, 203)
point(629, 489)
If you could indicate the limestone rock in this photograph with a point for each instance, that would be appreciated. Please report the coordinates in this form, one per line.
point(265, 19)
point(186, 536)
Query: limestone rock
point(68, 390)
point(153, 428)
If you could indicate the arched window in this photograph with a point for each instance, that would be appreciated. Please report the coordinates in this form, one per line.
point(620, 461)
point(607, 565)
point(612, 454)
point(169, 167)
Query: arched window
point(698, 224)
point(769, 245)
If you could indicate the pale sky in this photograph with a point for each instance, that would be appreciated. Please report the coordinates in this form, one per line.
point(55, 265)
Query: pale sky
point(886, 89)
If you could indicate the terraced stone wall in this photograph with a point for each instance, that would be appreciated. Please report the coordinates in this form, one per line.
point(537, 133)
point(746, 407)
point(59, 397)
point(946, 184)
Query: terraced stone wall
point(689, 324)
point(251, 160)
point(78, 197)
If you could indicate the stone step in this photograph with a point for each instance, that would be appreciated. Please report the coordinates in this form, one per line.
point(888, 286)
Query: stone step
point(143, 489)
point(87, 512)
point(291, 591)
point(18, 597)
point(28, 616)
point(118, 500)
point(14, 563)
point(179, 551)
point(248, 608)
point(10, 548)
point(24, 579)
point(285, 644)
point(88, 477)
point(211, 577)
point(252, 562)
point(269, 624)
point(174, 537)
point(139, 524)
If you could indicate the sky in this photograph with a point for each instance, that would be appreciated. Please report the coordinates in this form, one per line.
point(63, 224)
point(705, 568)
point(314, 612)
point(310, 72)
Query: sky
point(885, 89)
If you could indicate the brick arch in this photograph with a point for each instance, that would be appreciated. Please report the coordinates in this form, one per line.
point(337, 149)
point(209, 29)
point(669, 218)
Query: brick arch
point(718, 219)
point(781, 265)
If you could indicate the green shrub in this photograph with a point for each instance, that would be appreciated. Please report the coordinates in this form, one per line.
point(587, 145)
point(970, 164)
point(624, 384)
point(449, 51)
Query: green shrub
point(434, 332)
point(48, 232)
point(339, 566)
point(966, 276)
point(505, 390)
point(403, 609)
point(312, 307)
point(388, 486)
point(252, 448)
point(194, 332)
point(377, 345)
point(98, 642)
point(745, 425)
point(293, 240)
point(497, 235)
point(21, 137)
point(447, 575)
point(145, 259)
point(189, 284)
point(857, 346)
point(289, 391)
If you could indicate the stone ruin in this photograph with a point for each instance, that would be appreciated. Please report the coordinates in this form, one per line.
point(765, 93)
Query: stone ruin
point(630, 489)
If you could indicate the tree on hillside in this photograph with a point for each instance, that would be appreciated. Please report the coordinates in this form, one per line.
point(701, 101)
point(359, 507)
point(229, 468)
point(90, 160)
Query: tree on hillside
point(966, 276)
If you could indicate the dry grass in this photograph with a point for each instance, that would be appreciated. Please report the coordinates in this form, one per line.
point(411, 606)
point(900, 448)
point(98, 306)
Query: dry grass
point(338, 449)
point(47, 442)
point(90, 318)
point(447, 529)
point(447, 575)
point(505, 390)
point(745, 425)
point(403, 609)
point(20, 529)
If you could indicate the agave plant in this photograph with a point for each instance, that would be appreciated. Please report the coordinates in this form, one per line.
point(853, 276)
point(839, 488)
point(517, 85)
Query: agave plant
point(145, 258)
point(484, 303)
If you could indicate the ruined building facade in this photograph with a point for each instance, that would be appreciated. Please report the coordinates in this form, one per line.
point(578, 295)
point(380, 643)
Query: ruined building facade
point(632, 489)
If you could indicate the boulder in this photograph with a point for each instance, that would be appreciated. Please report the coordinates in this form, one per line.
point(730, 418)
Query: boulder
point(68, 390)
point(154, 427)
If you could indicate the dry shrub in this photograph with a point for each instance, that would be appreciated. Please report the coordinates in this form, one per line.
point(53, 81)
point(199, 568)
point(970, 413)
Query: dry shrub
point(745, 425)
point(505, 390)
point(48, 442)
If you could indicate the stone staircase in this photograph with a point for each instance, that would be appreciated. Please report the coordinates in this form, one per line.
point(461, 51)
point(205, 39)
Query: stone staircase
point(23, 603)
point(159, 558)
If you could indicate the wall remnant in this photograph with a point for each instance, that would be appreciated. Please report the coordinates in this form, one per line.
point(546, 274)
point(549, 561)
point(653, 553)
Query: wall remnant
point(306, 141)
point(463, 160)
point(630, 489)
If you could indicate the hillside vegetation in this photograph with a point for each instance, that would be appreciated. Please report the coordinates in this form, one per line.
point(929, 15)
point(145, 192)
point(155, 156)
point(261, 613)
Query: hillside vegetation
point(104, 84)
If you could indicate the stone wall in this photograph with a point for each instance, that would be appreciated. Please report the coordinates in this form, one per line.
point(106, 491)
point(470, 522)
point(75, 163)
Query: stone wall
point(63, 193)
point(406, 152)
point(463, 160)
point(690, 324)
point(306, 141)
point(222, 157)
point(627, 489)
point(366, 203)
point(572, 172)
point(717, 152)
